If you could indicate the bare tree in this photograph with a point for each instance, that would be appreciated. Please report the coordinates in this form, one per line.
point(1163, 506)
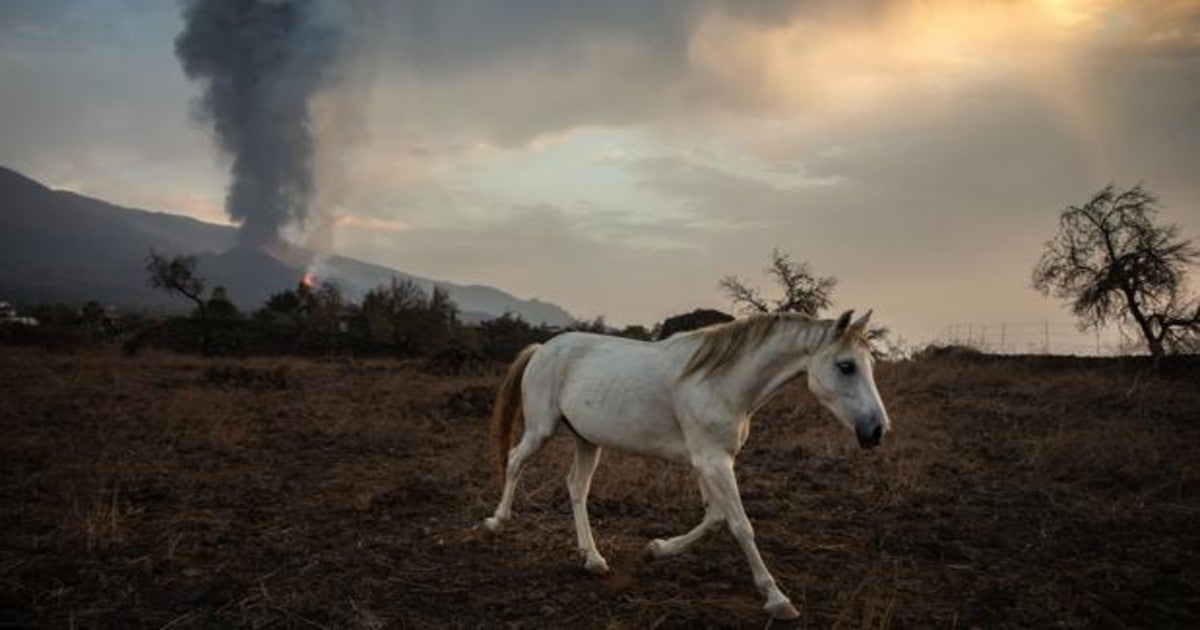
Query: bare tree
point(1113, 263)
point(178, 275)
point(803, 291)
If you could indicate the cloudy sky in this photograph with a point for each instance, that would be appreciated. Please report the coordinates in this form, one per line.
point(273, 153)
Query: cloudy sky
point(619, 157)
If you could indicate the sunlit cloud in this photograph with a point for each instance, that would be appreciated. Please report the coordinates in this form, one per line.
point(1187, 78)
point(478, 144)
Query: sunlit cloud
point(902, 63)
point(909, 58)
point(370, 223)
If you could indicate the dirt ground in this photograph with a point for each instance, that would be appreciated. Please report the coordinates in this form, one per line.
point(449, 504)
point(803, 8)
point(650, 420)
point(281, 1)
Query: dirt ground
point(172, 491)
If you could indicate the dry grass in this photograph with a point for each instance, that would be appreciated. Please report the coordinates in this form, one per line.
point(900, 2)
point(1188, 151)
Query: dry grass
point(174, 492)
point(99, 525)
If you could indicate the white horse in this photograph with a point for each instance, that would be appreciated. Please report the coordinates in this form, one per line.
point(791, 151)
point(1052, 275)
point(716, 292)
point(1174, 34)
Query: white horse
point(688, 399)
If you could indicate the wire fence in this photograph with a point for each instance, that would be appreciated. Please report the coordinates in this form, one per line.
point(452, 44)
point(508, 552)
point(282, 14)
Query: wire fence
point(1037, 337)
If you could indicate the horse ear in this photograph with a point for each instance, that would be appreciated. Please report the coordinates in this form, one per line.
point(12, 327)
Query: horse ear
point(861, 322)
point(843, 323)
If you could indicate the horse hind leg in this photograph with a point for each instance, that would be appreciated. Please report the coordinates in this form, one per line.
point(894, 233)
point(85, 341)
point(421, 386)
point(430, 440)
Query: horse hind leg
point(579, 481)
point(661, 548)
point(538, 428)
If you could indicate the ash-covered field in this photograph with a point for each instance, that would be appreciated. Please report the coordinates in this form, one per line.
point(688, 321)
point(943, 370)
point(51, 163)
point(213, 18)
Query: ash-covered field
point(172, 491)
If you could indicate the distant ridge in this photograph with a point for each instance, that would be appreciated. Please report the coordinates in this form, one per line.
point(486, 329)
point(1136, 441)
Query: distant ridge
point(58, 246)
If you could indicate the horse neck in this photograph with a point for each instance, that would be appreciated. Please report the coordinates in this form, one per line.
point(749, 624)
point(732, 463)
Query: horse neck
point(759, 375)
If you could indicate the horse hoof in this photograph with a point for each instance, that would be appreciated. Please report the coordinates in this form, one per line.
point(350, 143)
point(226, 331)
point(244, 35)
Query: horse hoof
point(783, 610)
point(596, 566)
point(493, 524)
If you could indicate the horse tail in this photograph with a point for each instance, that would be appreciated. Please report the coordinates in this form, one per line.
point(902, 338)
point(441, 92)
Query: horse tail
point(507, 411)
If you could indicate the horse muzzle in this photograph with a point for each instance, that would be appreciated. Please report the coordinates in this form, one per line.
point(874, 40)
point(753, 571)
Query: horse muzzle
point(870, 436)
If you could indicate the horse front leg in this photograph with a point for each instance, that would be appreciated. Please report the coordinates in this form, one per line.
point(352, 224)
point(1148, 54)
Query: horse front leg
point(717, 471)
point(661, 548)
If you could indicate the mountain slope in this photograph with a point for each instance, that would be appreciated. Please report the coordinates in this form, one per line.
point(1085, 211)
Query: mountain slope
point(63, 247)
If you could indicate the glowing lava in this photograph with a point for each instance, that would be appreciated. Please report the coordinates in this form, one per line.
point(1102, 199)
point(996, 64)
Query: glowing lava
point(307, 280)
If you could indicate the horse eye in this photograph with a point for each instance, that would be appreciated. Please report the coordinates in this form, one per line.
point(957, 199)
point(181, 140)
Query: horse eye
point(846, 367)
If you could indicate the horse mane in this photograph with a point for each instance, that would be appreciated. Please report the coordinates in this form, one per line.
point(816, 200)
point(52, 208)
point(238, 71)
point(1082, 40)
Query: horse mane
point(722, 344)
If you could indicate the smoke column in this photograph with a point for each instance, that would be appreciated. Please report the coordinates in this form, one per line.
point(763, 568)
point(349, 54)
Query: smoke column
point(261, 61)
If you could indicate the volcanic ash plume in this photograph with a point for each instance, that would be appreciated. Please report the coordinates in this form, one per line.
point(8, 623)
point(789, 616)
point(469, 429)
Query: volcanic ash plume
point(261, 61)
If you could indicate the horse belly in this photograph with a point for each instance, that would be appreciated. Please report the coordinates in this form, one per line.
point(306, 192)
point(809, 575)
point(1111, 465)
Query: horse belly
point(625, 415)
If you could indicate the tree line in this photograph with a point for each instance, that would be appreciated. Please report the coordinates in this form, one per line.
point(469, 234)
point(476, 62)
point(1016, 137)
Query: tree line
point(398, 318)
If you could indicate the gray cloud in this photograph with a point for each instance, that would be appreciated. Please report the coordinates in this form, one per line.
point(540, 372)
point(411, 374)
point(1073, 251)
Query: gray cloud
point(513, 71)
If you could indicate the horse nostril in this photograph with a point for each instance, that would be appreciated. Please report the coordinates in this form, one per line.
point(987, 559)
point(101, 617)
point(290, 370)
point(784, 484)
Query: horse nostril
point(870, 439)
